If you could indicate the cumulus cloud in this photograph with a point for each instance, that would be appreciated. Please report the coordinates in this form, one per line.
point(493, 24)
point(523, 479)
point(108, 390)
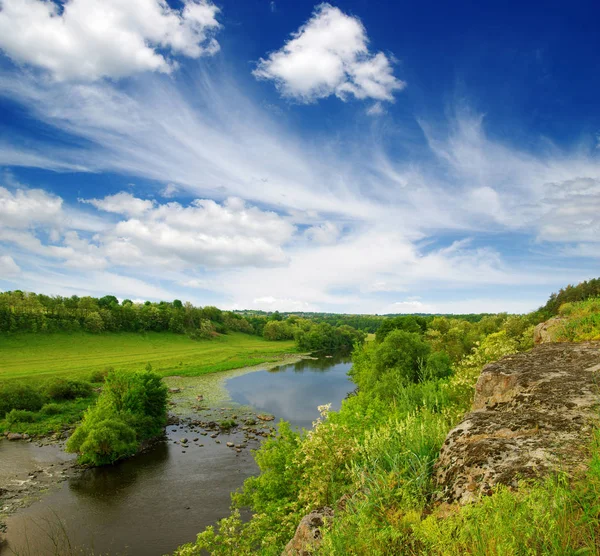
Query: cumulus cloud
point(27, 207)
point(91, 39)
point(121, 203)
point(204, 234)
point(329, 55)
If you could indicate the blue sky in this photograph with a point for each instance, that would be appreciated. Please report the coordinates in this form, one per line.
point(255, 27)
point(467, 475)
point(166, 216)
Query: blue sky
point(356, 156)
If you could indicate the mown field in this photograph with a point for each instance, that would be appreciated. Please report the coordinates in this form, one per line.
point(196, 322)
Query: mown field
point(40, 356)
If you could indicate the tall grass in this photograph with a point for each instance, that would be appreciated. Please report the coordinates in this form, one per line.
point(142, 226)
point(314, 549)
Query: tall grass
point(582, 321)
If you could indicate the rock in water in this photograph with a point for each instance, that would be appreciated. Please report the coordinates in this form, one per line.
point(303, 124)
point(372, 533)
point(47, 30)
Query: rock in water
point(533, 414)
point(308, 535)
point(264, 417)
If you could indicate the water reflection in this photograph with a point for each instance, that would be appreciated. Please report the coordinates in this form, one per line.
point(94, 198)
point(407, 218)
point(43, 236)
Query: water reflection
point(293, 392)
point(158, 500)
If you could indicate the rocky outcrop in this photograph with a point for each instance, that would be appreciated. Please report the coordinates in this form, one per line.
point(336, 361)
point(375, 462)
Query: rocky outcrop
point(533, 413)
point(308, 535)
point(545, 331)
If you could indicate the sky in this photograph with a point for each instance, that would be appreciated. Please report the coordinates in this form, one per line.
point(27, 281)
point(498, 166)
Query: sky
point(357, 156)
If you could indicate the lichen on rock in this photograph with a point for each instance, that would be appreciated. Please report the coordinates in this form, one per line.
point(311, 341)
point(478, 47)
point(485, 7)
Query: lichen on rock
point(533, 414)
point(309, 533)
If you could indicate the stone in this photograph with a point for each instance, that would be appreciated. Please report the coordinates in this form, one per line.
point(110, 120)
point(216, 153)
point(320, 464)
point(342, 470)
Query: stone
point(229, 444)
point(533, 414)
point(546, 331)
point(264, 417)
point(16, 436)
point(308, 534)
point(174, 390)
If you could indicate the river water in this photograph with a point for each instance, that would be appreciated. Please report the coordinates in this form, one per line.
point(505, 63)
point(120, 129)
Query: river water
point(160, 499)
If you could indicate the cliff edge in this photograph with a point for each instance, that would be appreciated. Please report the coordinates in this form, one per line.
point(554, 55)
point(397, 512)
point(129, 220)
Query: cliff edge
point(533, 413)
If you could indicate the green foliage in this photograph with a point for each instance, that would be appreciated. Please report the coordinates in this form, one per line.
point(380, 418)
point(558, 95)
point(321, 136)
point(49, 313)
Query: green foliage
point(103, 439)
point(15, 395)
point(278, 330)
point(581, 292)
point(51, 409)
point(131, 409)
point(383, 369)
point(408, 323)
point(99, 376)
point(30, 312)
point(63, 389)
point(51, 418)
point(377, 453)
point(582, 321)
point(324, 337)
point(555, 516)
point(21, 416)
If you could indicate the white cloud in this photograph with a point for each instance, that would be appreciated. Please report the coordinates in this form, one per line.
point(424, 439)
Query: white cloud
point(26, 207)
point(572, 211)
point(92, 39)
point(376, 109)
point(463, 306)
point(270, 303)
point(8, 267)
point(204, 234)
point(329, 55)
point(169, 190)
point(121, 203)
point(325, 233)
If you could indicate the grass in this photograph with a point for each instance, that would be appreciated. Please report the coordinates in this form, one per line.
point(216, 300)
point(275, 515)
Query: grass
point(40, 356)
point(583, 321)
point(69, 413)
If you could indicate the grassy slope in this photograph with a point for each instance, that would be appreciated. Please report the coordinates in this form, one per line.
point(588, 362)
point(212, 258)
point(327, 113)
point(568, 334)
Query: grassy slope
point(39, 356)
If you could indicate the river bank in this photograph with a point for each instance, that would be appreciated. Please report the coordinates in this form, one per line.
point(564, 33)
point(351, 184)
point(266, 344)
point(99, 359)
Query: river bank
point(207, 446)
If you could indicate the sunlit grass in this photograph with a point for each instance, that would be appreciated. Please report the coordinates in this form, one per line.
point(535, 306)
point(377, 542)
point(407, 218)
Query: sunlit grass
point(39, 356)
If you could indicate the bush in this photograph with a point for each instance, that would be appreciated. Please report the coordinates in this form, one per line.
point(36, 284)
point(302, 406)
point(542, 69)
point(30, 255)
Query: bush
point(103, 439)
point(100, 376)
point(51, 409)
point(21, 416)
point(15, 395)
point(61, 389)
point(132, 408)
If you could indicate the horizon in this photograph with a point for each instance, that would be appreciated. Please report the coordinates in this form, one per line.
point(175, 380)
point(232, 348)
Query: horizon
point(347, 157)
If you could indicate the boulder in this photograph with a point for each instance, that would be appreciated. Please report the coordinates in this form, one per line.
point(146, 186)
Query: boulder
point(545, 331)
point(264, 417)
point(308, 534)
point(533, 414)
point(17, 436)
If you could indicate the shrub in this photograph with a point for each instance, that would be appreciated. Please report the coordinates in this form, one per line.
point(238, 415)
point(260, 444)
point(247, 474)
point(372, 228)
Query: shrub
point(21, 416)
point(103, 438)
point(51, 409)
point(100, 376)
point(131, 409)
point(61, 389)
point(15, 395)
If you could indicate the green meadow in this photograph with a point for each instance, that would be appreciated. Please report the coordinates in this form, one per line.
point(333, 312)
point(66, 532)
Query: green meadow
point(40, 356)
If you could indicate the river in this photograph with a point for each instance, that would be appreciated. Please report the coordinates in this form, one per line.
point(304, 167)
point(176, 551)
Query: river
point(160, 499)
